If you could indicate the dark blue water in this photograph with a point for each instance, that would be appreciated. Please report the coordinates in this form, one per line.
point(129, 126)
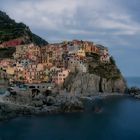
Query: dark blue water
point(118, 120)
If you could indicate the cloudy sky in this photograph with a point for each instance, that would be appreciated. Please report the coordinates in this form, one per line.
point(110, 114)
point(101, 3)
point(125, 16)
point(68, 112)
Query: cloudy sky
point(113, 23)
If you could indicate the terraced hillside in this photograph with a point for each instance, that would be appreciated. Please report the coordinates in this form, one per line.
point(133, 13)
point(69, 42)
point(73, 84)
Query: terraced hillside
point(10, 30)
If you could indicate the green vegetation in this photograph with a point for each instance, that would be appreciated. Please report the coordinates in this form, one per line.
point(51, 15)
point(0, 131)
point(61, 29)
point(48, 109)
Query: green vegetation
point(94, 56)
point(9, 30)
point(7, 52)
point(106, 70)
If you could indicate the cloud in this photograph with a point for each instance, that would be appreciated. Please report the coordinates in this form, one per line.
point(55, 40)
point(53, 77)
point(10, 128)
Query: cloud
point(103, 20)
point(122, 25)
point(74, 17)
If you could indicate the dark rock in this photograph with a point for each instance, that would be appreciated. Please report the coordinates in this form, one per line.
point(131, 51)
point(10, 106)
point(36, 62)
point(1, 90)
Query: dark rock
point(37, 103)
point(69, 103)
point(50, 100)
point(134, 91)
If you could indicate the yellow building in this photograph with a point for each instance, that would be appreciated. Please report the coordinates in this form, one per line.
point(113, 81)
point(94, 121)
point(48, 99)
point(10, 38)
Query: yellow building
point(10, 70)
point(81, 53)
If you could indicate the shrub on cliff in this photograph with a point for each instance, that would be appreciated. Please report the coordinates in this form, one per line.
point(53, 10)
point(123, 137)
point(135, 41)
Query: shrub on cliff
point(106, 70)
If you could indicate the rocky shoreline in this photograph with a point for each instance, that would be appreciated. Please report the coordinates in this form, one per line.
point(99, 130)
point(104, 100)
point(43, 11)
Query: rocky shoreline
point(134, 92)
point(11, 108)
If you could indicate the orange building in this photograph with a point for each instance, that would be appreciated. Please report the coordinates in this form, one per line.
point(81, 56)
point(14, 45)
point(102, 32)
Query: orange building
point(60, 76)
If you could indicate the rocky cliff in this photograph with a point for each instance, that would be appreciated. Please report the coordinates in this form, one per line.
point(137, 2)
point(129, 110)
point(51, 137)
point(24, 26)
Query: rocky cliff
point(90, 83)
point(101, 77)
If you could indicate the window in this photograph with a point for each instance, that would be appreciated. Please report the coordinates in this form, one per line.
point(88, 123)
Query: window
point(31, 86)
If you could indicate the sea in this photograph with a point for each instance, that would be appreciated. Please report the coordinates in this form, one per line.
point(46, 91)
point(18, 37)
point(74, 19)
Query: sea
point(133, 81)
point(119, 119)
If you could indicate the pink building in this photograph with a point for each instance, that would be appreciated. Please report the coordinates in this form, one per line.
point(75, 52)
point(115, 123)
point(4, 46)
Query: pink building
point(34, 73)
point(5, 63)
point(77, 42)
point(60, 76)
point(105, 57)
point(12, 43)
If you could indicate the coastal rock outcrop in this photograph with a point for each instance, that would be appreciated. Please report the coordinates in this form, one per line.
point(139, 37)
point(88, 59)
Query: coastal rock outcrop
point(11, 110)
point(11, 107)
point(90, 83)
point(134, 91)
point(100, 77)
point(82, 83)
point(69, 103)
point(110, 85)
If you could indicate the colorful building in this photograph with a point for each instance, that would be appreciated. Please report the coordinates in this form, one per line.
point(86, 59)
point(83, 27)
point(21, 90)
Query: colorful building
point(60, 76)
point(104, 54)
point(81, 53)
